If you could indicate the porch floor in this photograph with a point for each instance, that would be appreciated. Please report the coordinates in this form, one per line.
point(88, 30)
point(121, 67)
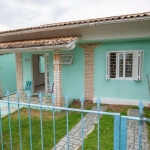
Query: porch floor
point(46, 100)
point(40, 88)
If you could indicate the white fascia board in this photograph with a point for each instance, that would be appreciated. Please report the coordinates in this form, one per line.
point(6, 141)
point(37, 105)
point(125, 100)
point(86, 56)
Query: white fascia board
point(78, 25)
point(69, 46)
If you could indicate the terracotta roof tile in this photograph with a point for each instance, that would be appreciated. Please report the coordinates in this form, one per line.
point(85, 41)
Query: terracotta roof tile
point(128, 16)
point(39, 42)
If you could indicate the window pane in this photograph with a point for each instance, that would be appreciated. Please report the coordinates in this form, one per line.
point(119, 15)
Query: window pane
point(128, 65)
point(120, 65)
point(41, 64)
point(112, 65)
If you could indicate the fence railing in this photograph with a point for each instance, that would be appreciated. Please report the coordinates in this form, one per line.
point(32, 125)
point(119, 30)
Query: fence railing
point(120, 122)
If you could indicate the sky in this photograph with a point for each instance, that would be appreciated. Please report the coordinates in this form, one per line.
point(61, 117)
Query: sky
point(16, 14)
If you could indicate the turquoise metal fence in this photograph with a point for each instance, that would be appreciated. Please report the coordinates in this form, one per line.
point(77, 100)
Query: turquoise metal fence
point(120, 122)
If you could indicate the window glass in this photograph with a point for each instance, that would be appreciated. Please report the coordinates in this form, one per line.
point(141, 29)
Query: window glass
point(112, 65)
point(41, 64)
point(128, 65)
point(121, 65)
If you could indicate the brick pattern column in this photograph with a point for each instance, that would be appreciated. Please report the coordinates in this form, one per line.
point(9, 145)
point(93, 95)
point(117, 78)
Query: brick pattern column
point(89, 70)
point(57, 77)
point(19, 77)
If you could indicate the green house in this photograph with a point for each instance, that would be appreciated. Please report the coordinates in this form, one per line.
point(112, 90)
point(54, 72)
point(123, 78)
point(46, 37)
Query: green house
point(107, 57)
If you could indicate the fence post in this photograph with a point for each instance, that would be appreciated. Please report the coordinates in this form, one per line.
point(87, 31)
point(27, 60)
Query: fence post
point(66, 98)
point(98, 132)
point(30, 124)
point(42, 143)
point(9, 120)
point(54, 132)
point(141, 106)
point(116, 132)
point(123, 133)
point(82, 126)
point(20, 134)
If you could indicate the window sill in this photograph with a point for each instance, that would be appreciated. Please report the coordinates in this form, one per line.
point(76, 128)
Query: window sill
point(121, 78)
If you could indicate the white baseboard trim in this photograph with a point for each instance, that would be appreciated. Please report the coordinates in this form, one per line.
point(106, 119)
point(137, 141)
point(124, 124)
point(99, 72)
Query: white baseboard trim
point(121, 101)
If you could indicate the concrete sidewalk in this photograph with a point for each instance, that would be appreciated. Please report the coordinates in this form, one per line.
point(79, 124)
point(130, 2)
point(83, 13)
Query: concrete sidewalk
point(133, 131)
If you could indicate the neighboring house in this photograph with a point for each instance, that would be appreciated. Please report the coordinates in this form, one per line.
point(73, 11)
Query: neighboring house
point(7, 73)
point(107, 57)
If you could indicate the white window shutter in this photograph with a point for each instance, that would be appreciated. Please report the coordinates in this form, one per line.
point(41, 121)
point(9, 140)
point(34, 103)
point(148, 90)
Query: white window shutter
point(107, 66)
point(137, 66)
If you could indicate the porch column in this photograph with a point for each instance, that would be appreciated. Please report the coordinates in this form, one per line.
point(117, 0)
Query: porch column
point(19, 78)
point(57, 77)
point(89, 69)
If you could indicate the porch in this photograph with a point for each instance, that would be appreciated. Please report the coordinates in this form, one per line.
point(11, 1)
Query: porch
point(34, 99)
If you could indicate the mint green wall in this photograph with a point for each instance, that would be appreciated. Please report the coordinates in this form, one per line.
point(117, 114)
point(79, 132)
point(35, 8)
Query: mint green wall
point(8, 73)
point(73, 75)
point(121, 89)
point(27, 67)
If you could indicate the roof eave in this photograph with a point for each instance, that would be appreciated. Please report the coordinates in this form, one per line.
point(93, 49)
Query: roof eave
point(77, 25)
point(65, 47)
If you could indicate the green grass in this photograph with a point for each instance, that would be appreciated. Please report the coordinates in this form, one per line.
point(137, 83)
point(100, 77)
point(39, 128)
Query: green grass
point(147, 115)
point(90, 143)
point(106, 130)
point(60, 117)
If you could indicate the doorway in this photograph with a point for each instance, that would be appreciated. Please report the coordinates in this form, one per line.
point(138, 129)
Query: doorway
point(41, 75)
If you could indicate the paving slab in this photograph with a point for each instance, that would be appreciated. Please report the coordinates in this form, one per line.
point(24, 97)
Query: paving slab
point(133, 132)
point(75, 133)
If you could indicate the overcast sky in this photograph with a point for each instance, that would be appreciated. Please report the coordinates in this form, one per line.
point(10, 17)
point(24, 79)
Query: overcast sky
point(25, 13)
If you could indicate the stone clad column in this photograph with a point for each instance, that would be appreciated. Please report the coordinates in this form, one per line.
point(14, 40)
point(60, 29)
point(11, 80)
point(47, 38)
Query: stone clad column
point(89, 69)
point(57, 78)
point(19, 76)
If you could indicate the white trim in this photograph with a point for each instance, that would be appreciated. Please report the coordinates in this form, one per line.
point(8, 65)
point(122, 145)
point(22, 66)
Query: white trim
point(120, 101)
point(121, 78)
point(47, 69)
point(65, 47)
point(65, 55)
point(76, 26)
point(124, 52)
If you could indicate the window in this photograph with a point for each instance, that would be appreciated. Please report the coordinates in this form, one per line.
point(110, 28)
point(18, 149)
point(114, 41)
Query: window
point(41, 64)
point(67, 58)
point(124, 65)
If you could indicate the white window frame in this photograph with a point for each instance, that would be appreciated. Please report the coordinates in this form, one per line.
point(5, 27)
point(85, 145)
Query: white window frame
point(66, 54)
point(136, 69)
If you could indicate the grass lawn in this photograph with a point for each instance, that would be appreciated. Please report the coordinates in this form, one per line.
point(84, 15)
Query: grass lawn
point(90, 143)
point(106, 129)
point(60, 117)
point(147, 115)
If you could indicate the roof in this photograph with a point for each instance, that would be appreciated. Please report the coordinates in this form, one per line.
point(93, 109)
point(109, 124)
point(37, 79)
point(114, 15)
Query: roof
point(78, 22)
point(39, 42)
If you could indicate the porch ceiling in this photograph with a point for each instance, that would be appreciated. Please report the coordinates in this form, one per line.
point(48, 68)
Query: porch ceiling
point(56, 41)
